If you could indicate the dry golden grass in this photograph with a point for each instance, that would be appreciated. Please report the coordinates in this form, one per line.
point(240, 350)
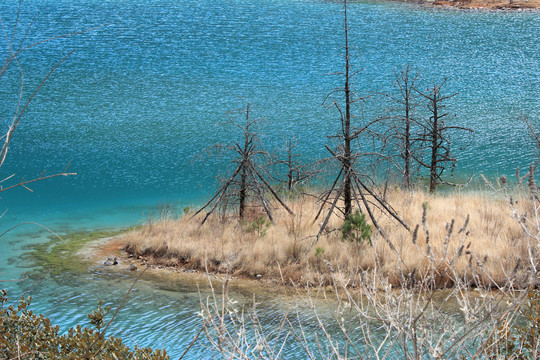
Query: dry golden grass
point(488, 249)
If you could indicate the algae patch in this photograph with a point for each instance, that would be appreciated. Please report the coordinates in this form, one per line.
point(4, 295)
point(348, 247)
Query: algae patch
point(58, 256)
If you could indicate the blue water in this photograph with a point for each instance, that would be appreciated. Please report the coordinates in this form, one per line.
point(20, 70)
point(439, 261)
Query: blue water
point(144, 94)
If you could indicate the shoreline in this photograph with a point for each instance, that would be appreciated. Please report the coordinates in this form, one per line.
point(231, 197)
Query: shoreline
point(96, 252)
point(481, 5)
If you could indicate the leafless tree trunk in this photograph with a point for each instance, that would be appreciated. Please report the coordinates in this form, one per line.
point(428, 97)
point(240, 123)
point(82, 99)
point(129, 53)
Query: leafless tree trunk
point(346, 122)
point(246, 153)
point(352, 187)
point(436, 139)
point(247, 181)
point(436, 135)
point(347, 135)
point(290, 165)
point(288, 170)
point(534, 134)
point(404, 116)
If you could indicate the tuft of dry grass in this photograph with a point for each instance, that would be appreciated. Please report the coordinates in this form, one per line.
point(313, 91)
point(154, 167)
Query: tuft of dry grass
point(472, 235)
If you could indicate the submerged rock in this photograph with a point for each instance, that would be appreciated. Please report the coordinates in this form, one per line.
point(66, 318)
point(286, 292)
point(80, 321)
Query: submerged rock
point(111, 261)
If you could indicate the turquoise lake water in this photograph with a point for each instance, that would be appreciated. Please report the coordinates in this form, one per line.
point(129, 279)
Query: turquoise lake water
point(144, 94)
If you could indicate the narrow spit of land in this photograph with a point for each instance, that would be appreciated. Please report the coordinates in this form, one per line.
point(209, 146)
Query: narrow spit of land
point(477, 236)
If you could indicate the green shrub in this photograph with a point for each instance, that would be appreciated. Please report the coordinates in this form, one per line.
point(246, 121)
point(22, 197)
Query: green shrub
point(25, 335)
point(319, 251)
point(356, 229)
point(259, 226)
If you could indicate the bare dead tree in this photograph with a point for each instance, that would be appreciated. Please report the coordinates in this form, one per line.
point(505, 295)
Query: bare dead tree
point(350, 185)
point(436, 136)
point(404, 125)
point(248, 181)
point(347, 135)
point(534, 134)
point(347, 159)
point(290, 171)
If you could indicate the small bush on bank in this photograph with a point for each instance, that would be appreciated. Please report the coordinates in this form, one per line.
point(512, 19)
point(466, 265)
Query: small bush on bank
point(356, 229)
point(26, 335)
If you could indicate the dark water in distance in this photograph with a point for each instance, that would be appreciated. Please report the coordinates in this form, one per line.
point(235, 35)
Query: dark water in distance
point(140, 98)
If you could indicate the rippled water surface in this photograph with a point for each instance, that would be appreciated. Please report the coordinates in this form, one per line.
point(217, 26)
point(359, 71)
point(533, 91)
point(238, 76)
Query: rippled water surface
point(141, 96)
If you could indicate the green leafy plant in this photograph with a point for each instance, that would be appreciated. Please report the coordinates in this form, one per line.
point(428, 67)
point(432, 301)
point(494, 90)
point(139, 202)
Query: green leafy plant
point(356, 229)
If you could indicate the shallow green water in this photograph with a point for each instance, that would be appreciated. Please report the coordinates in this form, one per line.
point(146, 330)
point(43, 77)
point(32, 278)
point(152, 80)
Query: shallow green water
point(142, 96)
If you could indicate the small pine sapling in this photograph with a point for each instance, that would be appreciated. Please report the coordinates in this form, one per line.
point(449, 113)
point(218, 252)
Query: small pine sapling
point(355, 228)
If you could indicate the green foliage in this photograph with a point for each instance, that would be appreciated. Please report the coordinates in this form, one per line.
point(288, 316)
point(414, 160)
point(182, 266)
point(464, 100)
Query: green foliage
point(259, 226)
point(25, 335)
point(518, 340)
point(356, 229)
point(319, 251)
point(186, 209)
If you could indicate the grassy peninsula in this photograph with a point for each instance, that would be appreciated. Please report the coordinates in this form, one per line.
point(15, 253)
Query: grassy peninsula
point(475, 235)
